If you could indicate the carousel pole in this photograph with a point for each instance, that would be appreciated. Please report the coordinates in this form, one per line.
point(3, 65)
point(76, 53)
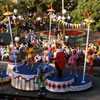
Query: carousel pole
point(50, 14)
point(9, 14)
point(88, 20)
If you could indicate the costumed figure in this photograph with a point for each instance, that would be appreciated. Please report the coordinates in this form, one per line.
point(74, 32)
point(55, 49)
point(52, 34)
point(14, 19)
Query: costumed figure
point(41, 80)
point(29, 50)
point(90, 58)
point(73, 61)
point(60, 61)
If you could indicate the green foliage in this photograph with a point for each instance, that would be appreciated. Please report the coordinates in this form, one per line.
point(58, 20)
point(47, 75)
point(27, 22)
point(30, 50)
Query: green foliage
point(87, 6)
point(35, 5)
point(5, 3)
point(27, 3)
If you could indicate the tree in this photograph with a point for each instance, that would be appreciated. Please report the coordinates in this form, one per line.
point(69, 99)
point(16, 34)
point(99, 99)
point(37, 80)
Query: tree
point(91, 7)
point(4, 6)
point(35, 5)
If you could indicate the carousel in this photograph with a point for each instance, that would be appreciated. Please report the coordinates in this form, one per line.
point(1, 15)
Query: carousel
point(69, 82)
point(26, 79)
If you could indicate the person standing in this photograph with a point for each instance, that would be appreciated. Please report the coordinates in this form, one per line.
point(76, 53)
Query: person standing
point(29, 50)
point(73, 60)
point(90, 71)
point(60, 61)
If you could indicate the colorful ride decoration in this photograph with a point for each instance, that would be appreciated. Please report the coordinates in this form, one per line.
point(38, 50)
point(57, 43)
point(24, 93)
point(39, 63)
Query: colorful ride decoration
point(64, 23)
point(55, 84)
point(26, 79)
point(67, 83)
point(10, 67)
point(24, 82)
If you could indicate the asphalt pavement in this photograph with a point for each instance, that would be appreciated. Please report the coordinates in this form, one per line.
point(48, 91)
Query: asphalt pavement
point(9, 93)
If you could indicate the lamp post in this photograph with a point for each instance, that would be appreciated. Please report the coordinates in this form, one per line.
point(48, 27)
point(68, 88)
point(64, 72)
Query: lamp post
point(63, 18)
point(39, 22)
point(8, 13)
point(38, 18)
point(62, 6)
point(88, 20)
point(51, 10)
point(15, 19)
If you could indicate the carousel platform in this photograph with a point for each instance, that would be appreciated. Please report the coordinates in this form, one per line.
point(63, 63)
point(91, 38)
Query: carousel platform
point(3, 76)
point(10, 67)
point(11, 93)
point(67, 83)
point(24, 79)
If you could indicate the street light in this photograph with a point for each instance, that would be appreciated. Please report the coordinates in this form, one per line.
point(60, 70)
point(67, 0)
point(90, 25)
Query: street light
point(38, 18)
point(88, 20)
point(8, 13)
point(51, 10)
point(64, 11)
point(63, 18)
point(15, 11)
point(15, 17)
point(68, 17)
point(62, 6)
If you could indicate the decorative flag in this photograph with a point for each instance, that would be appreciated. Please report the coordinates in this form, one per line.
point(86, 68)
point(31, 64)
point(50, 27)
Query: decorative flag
point(5, 8)
point(49, 5)
point(77, 25)
point(69, 25)
point(72, 25)
point(87, 14)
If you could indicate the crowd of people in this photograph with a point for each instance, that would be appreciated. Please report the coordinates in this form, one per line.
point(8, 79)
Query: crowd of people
point(74, 56)
point(40, 22)
point(56, 51)
point(33, 44)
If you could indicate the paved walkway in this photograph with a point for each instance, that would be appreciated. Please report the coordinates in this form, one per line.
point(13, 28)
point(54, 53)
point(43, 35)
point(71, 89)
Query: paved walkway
point(91, 94)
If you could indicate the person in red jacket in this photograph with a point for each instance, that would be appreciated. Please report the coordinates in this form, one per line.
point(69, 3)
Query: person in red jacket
point(60, 61)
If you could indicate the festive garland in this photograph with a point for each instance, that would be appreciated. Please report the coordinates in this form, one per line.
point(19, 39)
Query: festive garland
point(69, 25)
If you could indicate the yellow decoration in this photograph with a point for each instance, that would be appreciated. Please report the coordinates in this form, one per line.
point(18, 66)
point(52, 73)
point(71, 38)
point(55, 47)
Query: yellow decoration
point(21, 82)
point(63, 23)
point(72, 25)
point(10, 70)
point(25, 85)
point(30, 85)
point(77, 25)
point(18, 83)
